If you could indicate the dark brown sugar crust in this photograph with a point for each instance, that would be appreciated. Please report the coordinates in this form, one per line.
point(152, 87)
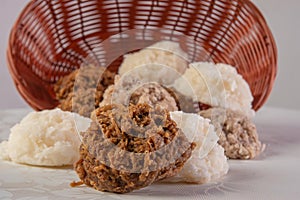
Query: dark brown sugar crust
point(82, 90)
point(130, 148)
point(131, 90)
point(155, 95)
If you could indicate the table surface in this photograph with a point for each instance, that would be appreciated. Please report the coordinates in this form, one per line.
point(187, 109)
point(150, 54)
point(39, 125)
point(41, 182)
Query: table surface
point(273, 175)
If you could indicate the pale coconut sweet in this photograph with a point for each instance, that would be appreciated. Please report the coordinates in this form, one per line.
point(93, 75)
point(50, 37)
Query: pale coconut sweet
point(163, 62)
point(217, 85)
point(45, 138)
point(208, 161)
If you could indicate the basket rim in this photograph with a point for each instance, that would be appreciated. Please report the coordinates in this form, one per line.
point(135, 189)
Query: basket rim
point(10, 60)
point(262, 20)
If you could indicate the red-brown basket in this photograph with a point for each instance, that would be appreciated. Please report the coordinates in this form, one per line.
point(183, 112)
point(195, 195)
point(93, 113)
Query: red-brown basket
point(51, 38)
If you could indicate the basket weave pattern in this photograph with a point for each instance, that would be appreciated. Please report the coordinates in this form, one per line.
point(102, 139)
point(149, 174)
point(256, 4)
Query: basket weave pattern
point(51, 38)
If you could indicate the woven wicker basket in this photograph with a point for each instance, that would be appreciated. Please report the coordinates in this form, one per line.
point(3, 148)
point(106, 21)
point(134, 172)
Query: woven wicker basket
point(53, 37)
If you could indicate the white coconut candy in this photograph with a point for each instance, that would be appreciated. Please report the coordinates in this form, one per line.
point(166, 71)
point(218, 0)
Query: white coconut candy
point(208, 161)
point(45, 138)
point(218, 85)
point(163, 62)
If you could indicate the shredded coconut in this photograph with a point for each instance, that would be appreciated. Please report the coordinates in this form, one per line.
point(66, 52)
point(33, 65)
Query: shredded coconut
point(208, 161)
point(46, 138)
point(218, 85)
point(162, 62)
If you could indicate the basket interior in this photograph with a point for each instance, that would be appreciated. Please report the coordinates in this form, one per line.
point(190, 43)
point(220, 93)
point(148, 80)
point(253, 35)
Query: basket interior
point(51, 38)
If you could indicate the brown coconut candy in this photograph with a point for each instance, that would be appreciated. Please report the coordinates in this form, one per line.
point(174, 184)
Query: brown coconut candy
point(130, 148)
point(82, 90)
point(237, 133)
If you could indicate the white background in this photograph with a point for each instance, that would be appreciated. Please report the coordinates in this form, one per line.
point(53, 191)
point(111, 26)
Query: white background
point(283, 18)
